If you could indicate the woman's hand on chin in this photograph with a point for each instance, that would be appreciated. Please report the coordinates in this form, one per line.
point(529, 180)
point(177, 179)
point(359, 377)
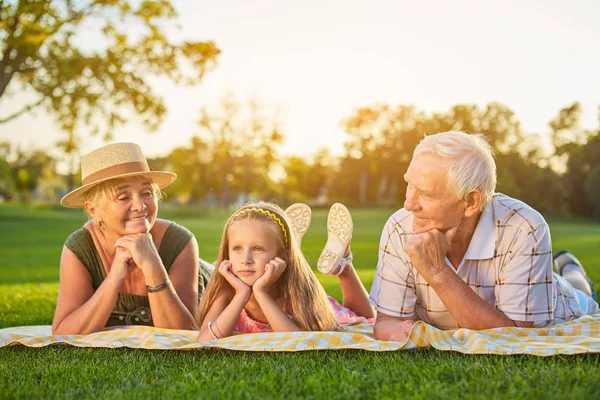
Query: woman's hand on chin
point(122, 266)
point(143, 251)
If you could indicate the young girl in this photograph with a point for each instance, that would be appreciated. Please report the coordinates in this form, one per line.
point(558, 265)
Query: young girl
point(265, 284)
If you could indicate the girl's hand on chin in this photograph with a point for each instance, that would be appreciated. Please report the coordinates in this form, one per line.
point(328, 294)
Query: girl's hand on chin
point(273, 271)
point(238, 285)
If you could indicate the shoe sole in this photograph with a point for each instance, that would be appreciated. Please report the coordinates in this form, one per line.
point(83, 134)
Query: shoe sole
point(339, 234)
point(300, 216)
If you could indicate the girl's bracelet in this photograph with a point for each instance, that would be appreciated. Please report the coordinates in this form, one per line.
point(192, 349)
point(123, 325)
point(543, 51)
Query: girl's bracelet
point(211, 331)
point(218, 330)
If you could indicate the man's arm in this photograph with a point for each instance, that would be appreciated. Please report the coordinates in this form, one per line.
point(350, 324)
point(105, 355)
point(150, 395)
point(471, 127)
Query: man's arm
point(468, 309)
point(388, 327)
point(462, 301)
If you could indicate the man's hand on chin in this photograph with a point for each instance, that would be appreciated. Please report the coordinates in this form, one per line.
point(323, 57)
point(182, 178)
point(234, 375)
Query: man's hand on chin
point(427, 250)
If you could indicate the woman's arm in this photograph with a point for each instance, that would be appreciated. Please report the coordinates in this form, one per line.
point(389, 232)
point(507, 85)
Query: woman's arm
point(174, 307)
point(80, 310)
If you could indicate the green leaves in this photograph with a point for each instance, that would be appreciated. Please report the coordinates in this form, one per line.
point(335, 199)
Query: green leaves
point(96, 87)
point(149, 10)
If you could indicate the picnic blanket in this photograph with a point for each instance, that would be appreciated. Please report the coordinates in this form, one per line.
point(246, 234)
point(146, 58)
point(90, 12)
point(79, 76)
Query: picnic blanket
point(574, 337)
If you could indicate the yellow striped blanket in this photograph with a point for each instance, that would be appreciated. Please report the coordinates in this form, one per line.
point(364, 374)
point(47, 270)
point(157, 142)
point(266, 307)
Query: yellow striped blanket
point(574, 337)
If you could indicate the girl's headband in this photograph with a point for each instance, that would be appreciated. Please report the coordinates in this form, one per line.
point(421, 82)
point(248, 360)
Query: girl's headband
point(268, 213)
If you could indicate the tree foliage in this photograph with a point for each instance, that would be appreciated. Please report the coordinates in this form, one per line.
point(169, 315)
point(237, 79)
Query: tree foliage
point(87, 62)
point(233, 154)
point(577, 151)
point(24, 174)
point(307, 180)
point(381, 139)
point(591, 187)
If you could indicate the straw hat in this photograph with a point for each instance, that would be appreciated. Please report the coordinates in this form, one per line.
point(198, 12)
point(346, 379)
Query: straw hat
point(118, 160)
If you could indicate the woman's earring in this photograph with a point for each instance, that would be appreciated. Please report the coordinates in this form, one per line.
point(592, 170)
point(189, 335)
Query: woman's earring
point(99, 223)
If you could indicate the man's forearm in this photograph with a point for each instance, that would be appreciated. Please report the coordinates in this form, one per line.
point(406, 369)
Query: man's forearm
point(467, 307)
point(392, 328)
point(383, 328)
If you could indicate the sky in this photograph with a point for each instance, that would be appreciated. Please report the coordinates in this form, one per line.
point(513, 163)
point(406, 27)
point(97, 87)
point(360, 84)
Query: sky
point(317, 61)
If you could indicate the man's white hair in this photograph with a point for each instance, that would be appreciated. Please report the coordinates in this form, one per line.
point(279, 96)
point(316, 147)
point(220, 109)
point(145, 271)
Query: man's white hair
point(471, 162)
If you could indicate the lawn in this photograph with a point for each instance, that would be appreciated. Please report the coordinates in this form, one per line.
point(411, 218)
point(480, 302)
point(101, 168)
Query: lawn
point(30, 245)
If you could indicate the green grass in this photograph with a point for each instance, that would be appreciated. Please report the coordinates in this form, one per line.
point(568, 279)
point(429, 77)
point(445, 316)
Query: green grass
point(30, 245)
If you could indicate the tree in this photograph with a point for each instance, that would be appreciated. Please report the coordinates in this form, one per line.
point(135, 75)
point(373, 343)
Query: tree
point(577, 152)
point(40, 48)
point(29, 169)
point(591, 187)
point(243, 142)
point(307, 181)
point(193, 168)
point(381, 141)
point(7, 183)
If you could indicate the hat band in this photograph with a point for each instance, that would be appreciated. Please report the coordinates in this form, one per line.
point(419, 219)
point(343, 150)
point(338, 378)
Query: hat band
point(115, 171)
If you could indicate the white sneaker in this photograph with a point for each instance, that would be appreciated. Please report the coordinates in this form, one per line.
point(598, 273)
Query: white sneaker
point(299, 215)
point(339, 234)
point(564, 258)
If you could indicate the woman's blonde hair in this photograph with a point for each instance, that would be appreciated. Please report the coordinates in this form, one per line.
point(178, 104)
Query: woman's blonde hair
point(304, 299)
point(107, 189)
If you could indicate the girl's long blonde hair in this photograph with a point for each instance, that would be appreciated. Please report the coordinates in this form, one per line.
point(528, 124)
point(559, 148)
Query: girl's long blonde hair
point(304, 299)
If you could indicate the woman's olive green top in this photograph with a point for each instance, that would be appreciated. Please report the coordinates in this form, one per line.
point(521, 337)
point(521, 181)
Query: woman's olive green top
point(132, 309)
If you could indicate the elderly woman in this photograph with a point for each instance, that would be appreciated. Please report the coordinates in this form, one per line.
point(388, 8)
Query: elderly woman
point(125, 266)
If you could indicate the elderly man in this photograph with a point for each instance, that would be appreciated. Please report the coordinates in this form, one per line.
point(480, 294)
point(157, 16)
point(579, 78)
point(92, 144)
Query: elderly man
point(460, 255)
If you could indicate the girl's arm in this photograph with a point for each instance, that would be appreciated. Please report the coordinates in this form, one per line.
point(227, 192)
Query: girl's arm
point(226, 309)
point(278, 320)
point(223, 314)
point(354, 294)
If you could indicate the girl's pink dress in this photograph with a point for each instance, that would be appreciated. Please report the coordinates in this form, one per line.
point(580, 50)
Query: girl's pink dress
point(245, 324)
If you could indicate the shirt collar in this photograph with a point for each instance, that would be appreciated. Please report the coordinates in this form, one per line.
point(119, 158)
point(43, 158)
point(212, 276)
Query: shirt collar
point(483, 241)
